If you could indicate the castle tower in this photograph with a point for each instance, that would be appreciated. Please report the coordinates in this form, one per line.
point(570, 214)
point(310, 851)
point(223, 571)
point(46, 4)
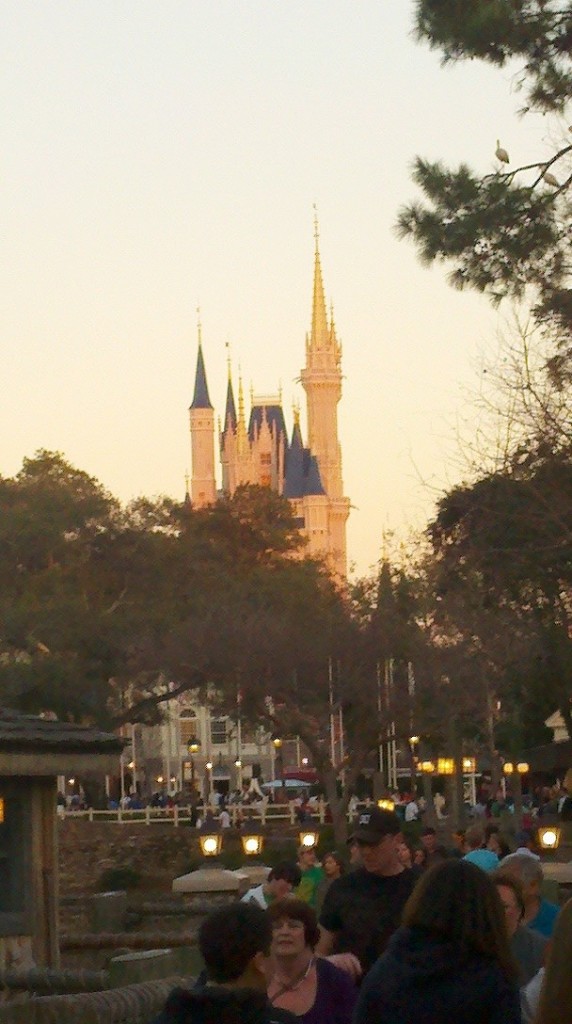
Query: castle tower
point(201, 412)
point(322, 381)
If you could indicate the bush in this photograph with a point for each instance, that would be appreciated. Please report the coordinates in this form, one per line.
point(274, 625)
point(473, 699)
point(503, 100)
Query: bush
point(113, 879)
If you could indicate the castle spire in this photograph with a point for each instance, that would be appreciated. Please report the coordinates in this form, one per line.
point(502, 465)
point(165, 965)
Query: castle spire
point(319, 335)
point(201, 398)
point(201, 412)
point(230, 408)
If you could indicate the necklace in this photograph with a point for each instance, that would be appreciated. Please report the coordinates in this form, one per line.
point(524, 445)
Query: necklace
point(291, 986)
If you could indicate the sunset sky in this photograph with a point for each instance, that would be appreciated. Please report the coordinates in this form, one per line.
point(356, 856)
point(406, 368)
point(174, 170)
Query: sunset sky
point(162, 155)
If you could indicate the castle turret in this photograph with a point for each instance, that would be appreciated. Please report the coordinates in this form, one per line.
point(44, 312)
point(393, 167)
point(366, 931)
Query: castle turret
point(201, 412)
point(322, 381)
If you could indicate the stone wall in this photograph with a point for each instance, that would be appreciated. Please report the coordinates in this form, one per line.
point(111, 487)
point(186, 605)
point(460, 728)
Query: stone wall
point(158, 852)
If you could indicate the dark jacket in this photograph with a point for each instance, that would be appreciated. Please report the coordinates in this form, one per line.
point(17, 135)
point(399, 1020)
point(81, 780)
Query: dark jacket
point(219, 1005)
point(423, 980)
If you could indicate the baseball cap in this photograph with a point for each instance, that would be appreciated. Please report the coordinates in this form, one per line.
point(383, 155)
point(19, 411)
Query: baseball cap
point(374, 824)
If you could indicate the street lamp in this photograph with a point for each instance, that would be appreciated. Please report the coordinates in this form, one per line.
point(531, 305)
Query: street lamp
point(427, 767)
point(445, 766)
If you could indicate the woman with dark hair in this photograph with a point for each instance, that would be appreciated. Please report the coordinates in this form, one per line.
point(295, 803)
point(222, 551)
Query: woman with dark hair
point(450, 960)
point(315, 990)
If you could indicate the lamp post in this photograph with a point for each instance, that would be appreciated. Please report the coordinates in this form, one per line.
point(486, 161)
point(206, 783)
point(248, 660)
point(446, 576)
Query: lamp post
point(514, 771)
point(193, 747)
point(209, 771)
point(277, 765)
point(413, 744)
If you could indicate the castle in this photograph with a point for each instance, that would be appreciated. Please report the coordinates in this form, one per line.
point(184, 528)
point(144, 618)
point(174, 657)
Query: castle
point(260, 453)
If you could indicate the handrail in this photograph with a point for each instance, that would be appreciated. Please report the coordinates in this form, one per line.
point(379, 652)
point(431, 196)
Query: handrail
point(262, 812)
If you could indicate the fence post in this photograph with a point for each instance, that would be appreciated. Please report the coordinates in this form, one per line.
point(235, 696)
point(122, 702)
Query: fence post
point(176, 815)
point(292, 810)
point(147, 815)
point(90, 814)
point(119, 814)
point(322, 810)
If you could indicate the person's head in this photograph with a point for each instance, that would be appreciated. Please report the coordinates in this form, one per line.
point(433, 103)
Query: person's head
point(235, 942)
point(474, 837)
point(527, 869)
point(306, 856)
point(458, 838)
point(420, 857)
point(294, 927)
point(457, 901)
point(429, 838)
point(354, 854)
point(282, 879)
point(405, 854)
point(512, 898)
point(333, 864)
point(378, 834)
point(556, 993)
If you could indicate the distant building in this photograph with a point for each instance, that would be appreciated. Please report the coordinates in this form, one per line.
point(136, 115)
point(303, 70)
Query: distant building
point(260, 451)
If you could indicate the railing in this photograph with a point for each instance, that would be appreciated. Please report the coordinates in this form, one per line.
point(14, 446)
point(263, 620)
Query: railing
point(264, 813)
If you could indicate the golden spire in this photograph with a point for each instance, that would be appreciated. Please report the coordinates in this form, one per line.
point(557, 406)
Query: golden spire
point(319, 334)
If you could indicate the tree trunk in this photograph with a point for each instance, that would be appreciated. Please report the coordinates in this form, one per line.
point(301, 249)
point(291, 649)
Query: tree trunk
point(338, 808)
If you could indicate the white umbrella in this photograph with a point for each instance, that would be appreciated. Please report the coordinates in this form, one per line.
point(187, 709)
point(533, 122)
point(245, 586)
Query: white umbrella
point(287, 783)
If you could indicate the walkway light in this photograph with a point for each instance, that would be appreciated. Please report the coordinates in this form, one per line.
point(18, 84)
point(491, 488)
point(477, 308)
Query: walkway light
point(549, 837)
point(445, 766)
point(427, 767)
point(469, 765)
point(508, 768)
point(252, 844)
point(211, 844)
point(523, 767)
point(309, 839)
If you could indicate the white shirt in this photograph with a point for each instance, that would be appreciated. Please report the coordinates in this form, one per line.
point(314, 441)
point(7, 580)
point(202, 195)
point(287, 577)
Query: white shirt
point(411, 811)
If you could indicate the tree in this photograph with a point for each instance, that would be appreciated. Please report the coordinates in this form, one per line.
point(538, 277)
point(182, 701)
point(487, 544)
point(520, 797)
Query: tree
point(507, 539)
point(506, 231)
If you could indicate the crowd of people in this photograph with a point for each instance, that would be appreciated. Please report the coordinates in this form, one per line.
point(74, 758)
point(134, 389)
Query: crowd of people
point(394, 933)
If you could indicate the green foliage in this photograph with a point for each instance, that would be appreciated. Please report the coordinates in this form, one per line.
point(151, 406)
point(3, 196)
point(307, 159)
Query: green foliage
point(506, 231)
point(119, 878)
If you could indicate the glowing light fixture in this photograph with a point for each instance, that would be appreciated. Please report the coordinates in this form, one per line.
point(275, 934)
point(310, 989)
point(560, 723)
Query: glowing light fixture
point(386, 805)
point(549, 837)
point(508, 768)
point(211, 844)
point(469, 765)
point(523, 767)
point(309, 839)
point(445, 765)
point(427, 767)
point(252, 844)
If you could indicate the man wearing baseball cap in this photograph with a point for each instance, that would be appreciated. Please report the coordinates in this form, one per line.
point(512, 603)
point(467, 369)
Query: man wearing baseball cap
point(363, 908)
